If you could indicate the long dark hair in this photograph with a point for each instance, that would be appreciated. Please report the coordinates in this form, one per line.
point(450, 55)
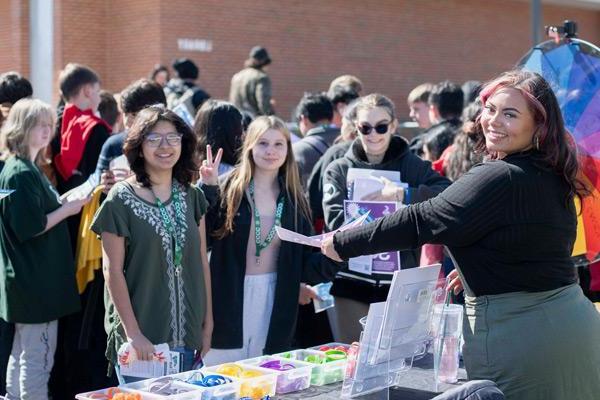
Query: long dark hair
point(556, 150)
point(463, 156)
point(219, 123)
point(187, 165)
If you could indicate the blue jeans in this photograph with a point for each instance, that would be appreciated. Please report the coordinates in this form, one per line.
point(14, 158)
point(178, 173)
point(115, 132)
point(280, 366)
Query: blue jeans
point(187, 363)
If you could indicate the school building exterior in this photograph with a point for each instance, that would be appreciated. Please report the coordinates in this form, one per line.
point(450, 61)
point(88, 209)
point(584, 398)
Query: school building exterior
point(392, 45)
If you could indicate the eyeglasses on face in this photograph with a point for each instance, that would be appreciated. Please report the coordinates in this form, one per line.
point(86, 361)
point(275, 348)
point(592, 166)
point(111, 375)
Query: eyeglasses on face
point(381, 128)
point(156, 139)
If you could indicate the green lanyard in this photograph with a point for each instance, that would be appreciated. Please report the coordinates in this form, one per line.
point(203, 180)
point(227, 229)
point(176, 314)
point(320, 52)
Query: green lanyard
point(172, 227)
point(260, 245)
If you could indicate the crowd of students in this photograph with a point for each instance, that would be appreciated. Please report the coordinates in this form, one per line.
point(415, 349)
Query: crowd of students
point(188, 246)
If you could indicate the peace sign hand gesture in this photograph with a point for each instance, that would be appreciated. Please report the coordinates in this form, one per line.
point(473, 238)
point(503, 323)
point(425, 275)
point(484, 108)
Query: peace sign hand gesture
point(209, 171)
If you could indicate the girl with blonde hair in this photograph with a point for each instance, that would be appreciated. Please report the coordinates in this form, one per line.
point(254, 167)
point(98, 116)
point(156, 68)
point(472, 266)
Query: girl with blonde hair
point(37, 271)
point(256, 276)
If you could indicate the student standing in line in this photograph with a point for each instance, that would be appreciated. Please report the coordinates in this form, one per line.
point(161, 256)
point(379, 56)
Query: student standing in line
point(256, 276)
point(37, 272)
point(377, 147)
point(154, 244)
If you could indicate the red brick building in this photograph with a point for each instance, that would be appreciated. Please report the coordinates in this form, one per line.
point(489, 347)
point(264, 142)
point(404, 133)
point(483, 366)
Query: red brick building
point(392, 45)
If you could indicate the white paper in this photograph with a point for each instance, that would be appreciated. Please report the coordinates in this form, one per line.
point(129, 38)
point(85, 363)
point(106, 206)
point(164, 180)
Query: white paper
point(361, 264)
point(80, 192)
point(165, 362)
point(362, 187)
point(5, 192)
point(354, 173)
point(315, 241)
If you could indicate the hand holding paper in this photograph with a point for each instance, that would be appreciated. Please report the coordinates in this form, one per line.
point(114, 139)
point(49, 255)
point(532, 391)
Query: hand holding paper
point(315, 241)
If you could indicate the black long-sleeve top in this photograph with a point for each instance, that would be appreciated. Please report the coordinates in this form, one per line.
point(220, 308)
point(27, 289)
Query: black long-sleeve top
point(509, 225)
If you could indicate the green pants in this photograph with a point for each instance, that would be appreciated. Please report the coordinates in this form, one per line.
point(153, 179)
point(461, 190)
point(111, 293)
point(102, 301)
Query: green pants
point(543, 345)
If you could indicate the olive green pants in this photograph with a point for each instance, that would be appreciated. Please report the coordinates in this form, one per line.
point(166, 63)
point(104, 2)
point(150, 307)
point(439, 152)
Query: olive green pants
point(543, 345)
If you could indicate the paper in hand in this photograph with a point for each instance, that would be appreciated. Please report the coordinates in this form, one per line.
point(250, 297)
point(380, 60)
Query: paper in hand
point(324, 300)
point(164, 362)
point(315, 241)
point(80, 192)
point(5, 192)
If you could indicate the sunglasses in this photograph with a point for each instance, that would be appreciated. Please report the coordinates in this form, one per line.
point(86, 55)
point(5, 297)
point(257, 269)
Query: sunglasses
point(380, 128)
point(156, 139)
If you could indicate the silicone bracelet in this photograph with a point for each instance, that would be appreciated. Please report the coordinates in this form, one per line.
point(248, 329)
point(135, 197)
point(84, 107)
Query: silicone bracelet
point(335, 355)
point(230, 369)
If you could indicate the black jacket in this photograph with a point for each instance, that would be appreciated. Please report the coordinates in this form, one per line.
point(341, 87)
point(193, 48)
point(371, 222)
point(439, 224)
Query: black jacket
point(311, 148)
point(295, 264)
point(423, 183)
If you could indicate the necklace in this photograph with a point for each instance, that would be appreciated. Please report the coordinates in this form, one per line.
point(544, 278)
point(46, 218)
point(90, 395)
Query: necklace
point(172, 227)
point(260, 245)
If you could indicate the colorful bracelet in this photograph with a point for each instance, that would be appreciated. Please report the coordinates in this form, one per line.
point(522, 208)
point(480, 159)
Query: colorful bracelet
point(207, 381)
point(335, 355)
point(277, 365)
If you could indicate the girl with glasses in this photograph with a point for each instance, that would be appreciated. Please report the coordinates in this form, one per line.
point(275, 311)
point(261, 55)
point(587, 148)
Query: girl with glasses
point(154, 244)
point(256, 276)
point(376, 147)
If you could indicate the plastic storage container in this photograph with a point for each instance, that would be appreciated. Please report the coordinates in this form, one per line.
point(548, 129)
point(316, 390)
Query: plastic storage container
point(166, 387)
point(255, 382)
point(324, 372)
point(332, 346)
point(225, 391)
point(109, 393)
point(295, 379)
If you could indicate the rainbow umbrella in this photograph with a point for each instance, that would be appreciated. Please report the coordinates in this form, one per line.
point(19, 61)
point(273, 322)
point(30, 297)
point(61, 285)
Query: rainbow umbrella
point(572, 67)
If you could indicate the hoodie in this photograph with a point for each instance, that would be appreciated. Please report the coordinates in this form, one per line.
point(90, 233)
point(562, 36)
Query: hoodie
point(423, 183)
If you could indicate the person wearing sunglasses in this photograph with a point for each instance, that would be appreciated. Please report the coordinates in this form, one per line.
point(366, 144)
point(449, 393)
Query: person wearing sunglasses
point(376, 147)
point(154, 244)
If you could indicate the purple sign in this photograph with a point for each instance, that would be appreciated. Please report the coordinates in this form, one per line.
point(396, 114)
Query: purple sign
point(383, 263)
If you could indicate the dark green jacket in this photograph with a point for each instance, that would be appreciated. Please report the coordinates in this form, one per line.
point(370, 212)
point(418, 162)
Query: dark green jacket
point(37, 272)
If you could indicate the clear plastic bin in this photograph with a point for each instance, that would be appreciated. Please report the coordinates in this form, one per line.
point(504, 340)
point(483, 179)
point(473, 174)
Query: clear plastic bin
point(331, 345)
point(323, 372)
point(226, 391)
point(185, 390)
point(255, 387)
point(104, 394)
point(288, 381)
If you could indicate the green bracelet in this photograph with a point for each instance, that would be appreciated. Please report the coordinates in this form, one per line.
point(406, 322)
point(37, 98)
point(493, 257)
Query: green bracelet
point(335, 355)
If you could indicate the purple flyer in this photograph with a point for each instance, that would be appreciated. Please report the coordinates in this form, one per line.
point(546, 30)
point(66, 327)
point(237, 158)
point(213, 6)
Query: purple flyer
point(383, 263)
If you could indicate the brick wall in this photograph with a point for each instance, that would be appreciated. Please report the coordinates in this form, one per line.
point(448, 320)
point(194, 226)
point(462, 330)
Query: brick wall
point(392, 45)
point(14, 36)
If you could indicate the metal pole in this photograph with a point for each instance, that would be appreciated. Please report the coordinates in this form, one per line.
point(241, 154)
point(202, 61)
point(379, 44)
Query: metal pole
point(41, 36)
point(536, 17)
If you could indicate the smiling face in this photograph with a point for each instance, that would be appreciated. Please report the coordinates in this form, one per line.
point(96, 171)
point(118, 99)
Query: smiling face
point(166, 155)
point(375, 143)
point(507, 122)
point(270, 150)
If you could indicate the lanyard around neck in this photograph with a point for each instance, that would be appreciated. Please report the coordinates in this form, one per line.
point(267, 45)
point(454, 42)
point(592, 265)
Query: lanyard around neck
point(260, 245)
point(171, 226)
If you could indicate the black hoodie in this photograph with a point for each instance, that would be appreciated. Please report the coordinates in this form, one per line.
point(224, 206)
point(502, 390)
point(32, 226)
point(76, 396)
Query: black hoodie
point(423, 183)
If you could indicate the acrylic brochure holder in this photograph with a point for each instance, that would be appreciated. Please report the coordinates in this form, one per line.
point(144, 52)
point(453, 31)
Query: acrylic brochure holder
point(394, 333)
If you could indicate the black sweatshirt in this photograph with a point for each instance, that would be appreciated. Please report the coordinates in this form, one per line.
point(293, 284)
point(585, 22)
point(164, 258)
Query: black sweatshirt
point(423, 183)
point(509, 225)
